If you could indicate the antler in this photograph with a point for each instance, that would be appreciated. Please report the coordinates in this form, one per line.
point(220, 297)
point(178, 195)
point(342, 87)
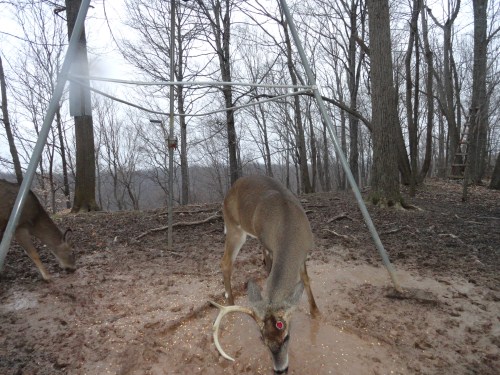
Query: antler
point(223, 311)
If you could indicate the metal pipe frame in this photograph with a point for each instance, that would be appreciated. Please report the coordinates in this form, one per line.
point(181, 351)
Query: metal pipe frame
point(301, 92)
point(187, 83)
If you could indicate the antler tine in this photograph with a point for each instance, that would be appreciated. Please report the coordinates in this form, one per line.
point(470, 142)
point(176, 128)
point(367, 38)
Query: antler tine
point(223, 310)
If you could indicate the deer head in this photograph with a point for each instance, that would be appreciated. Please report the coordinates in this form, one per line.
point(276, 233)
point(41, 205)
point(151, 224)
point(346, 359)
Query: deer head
point(273, 320)
point(64, 252)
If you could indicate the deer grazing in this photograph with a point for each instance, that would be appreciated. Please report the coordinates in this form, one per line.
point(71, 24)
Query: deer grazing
point(261, 207)
point(34, 221)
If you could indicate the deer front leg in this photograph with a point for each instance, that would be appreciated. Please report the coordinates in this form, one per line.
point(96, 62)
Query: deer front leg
point(313, 308)
point(23, 236)
point(235, 238)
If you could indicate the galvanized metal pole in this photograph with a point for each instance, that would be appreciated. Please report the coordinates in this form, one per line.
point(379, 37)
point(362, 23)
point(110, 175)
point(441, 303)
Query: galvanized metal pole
point(340, 154)
point(171, 144)
point(42, 137)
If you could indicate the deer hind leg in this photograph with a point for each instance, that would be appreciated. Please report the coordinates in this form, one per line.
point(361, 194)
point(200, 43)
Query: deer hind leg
point(23, 237)
point(235, 238)
point(313, 308)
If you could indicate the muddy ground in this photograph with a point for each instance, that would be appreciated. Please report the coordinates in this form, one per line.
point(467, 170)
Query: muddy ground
point(134, 307)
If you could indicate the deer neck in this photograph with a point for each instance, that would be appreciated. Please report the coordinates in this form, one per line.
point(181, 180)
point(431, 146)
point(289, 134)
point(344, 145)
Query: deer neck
point(47, 231)
point(284, 275)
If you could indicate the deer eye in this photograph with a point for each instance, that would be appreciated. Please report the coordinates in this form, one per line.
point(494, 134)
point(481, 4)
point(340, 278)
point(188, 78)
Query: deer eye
point(287, 337)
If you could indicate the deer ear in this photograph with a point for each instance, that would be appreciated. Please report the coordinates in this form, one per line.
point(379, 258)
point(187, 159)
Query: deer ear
point(67, 236)
point(294, 297)
point(253, 290)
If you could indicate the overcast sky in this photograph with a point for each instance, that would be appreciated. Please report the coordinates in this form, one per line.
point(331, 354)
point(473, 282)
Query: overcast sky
point(104, 57)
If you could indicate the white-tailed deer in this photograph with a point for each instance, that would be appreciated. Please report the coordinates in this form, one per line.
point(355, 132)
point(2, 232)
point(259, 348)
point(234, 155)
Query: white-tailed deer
point(34, 221)
point(261, 207)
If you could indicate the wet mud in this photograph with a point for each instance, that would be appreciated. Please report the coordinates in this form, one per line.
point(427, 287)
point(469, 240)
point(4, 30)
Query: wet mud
point(136, 307)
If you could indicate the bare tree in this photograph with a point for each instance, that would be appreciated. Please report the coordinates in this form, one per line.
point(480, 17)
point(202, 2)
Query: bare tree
point(412, 97)
point(151, 54)
point(85, 179)
point(342, 38)
point(41, 58)
point(495, 177)
point(429, 87)
point(306, 185)
point(6, 122)
point(448, 96)
point(479, 106)
point(218, 14)
point(119, 153)
point(256, 64)
point(385, 177)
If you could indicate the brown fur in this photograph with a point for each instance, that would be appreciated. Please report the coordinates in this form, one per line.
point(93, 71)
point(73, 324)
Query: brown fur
point(34, 221)
point(261, 207)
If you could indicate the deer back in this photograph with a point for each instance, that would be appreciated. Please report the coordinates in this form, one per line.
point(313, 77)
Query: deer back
point(32, 214)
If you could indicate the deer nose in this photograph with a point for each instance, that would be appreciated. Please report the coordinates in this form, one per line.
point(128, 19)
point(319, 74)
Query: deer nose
point(284, 371)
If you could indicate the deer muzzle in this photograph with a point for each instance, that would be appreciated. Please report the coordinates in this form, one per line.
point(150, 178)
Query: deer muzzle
point(280, 360)
point(281, 371)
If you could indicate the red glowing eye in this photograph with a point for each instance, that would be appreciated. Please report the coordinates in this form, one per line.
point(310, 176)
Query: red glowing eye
point(280, 325)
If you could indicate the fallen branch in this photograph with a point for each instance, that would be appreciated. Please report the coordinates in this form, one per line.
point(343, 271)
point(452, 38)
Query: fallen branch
point(343, 236)
point(396, 230)
point(455, 237)
point(201, 210)
point(343, 215)
point(180, 224)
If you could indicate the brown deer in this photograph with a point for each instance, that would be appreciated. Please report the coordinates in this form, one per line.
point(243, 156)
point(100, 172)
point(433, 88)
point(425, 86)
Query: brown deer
point(34, 221)
point(261, 207)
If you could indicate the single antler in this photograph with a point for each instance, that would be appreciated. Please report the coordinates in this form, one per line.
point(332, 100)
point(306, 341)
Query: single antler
point(223, 310)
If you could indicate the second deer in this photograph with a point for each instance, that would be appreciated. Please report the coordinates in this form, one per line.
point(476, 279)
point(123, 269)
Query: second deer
point(262, 207)
point(34, 221)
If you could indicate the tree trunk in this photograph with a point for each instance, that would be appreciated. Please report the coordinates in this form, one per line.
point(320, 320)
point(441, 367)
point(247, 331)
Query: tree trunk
point(219, 17)
point(447, 93)
point(265, 135)
point(411, 111)
point(62, 150)
point(429, 84)
point(299, 131)
point(182, 119)
point(224, 58)
point(84, 199)
point(85, 180)
point(353, 82)
point(385, 176)
point(342, 183)
point(478, 132)
point(313, 147)
point(495, 178)
point(326, 159)
point(8, 130)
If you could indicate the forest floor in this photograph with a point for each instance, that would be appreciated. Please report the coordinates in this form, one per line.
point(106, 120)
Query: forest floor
point(135, 307)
